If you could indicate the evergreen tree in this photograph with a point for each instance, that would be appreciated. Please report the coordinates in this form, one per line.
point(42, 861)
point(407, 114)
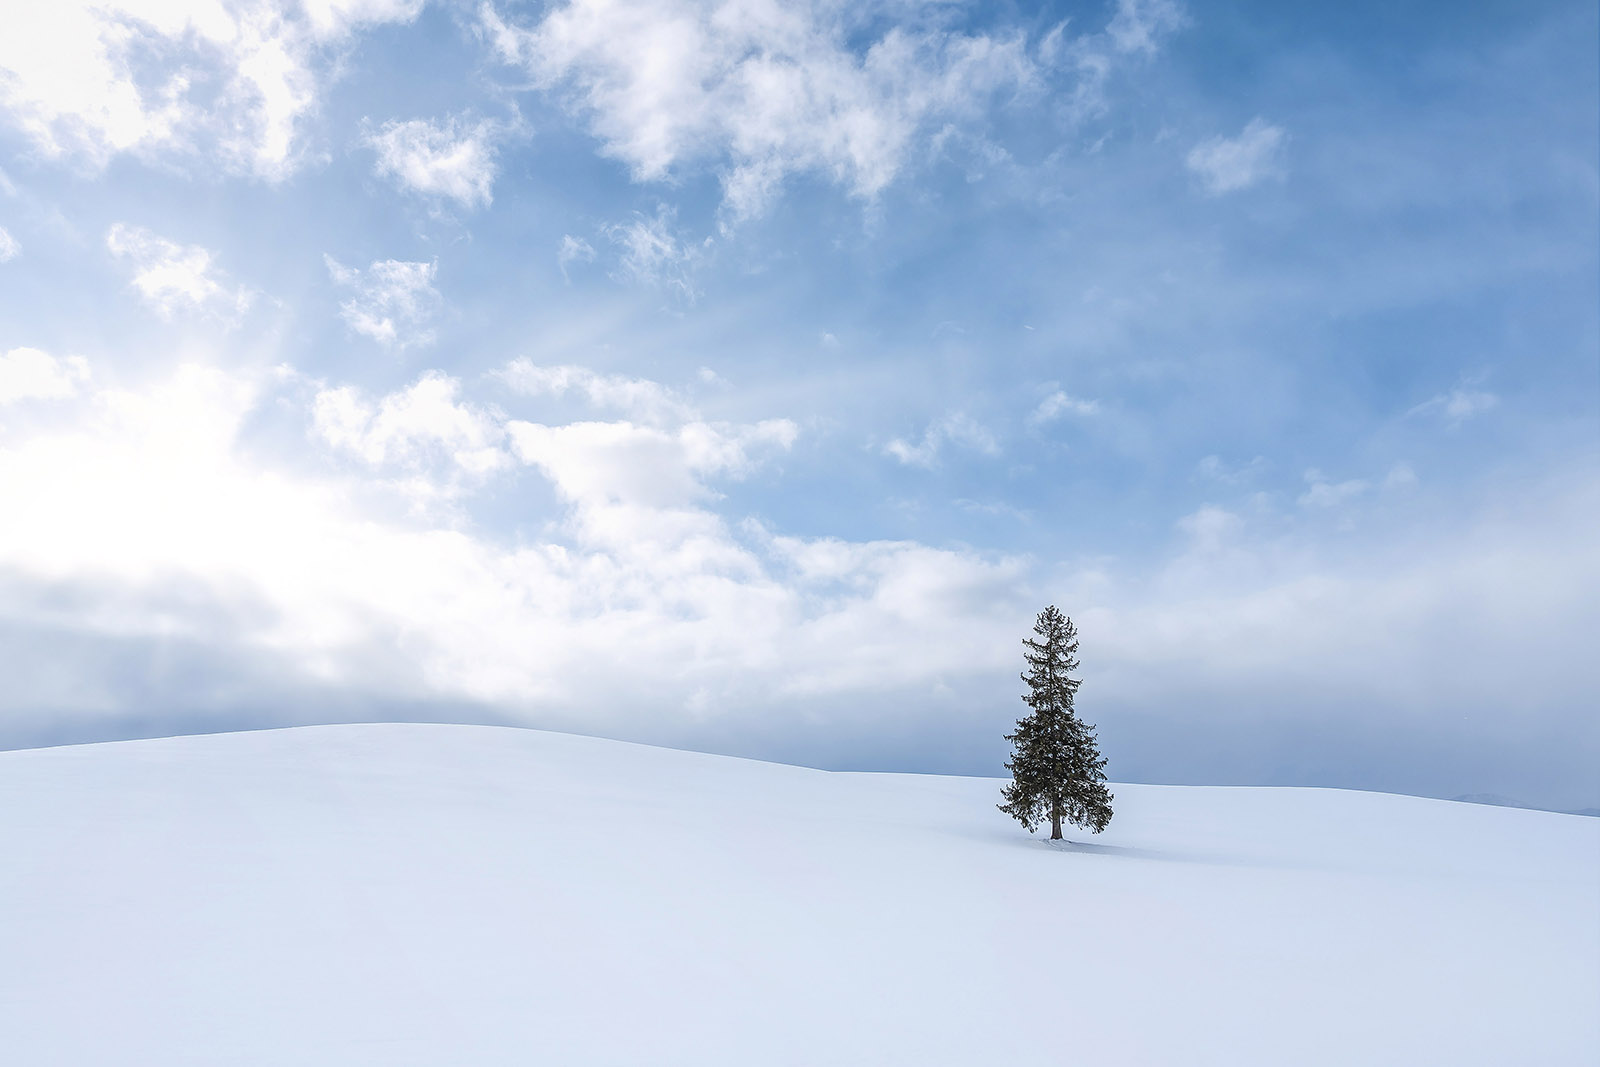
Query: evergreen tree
point(1056, 768)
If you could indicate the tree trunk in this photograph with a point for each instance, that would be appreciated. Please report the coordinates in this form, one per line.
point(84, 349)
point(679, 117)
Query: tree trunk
point(1055, 820)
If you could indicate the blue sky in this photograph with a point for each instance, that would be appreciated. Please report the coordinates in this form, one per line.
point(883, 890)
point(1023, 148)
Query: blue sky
point(746, 376)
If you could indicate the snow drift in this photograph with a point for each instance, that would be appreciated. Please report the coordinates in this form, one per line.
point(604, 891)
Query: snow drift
point(406, 894)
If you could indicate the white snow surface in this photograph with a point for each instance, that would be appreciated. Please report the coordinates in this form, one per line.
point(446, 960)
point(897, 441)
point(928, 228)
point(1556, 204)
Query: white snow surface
point(406, 894)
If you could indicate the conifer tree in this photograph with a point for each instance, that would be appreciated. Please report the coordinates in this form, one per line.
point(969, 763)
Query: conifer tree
point(1056, 768)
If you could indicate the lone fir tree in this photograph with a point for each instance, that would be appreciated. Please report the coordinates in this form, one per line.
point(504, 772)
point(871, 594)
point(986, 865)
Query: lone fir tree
point(1056, 768)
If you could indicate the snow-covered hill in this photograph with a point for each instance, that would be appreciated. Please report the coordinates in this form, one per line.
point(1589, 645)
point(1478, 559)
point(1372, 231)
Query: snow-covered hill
point(466, 895)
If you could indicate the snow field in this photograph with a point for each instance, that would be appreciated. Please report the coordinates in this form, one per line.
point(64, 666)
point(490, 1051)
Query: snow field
point(404, 894)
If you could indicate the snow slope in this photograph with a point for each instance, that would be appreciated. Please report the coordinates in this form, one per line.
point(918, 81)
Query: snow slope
point(442, 895)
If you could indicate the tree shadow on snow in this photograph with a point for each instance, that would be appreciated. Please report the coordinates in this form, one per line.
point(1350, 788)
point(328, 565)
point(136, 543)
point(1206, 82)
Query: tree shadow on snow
point(1208, 859)
point(1035, 843)
point(1125, 851)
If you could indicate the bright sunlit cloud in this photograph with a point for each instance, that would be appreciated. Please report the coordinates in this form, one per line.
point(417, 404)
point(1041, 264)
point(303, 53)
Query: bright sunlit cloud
point(181, 79)
point(29, 374)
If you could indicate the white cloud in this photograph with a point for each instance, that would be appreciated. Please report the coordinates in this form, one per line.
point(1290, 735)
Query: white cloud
point(94, 78)
point(409, 426)
point(599, 464)
point(333, 19)
point(29, 374)
point(1461, 403)
point(1058, 404)
point(1226, 165)
point(9, 248)
point(638, 398)
point(452, 159)
point(173, 277)
point(393, 300)
point(759, 91)
point(573, 250)
point(956, 428)
point(637, 489)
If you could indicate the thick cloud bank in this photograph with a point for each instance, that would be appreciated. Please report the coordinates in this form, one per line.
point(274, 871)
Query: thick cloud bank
point(354, 568)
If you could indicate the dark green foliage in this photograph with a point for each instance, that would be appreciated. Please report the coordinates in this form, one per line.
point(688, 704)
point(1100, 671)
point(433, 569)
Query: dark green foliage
point(1056, 768)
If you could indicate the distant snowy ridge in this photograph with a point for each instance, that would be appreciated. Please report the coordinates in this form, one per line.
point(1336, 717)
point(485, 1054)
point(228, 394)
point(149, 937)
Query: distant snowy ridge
point(405, 894)
point(1506, 802)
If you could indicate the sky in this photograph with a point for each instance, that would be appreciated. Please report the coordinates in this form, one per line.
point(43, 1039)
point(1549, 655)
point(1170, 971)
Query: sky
point(746, 376)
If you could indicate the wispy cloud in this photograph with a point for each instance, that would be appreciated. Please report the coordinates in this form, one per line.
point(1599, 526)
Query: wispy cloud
point(1059, 404)
point(453, 159)
point(1135, 32)
point(1139, 25)
point(651, 252)
point(1321, 493)
point(1464, 401)
point(175, 278)
point(573, 250)
point(1211, 529)
point(1401, 478)
point(393, 301)
point(957, 428)
point(1215, 468)
point(638, 398)
point(1226, 165)
point(9, 247)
